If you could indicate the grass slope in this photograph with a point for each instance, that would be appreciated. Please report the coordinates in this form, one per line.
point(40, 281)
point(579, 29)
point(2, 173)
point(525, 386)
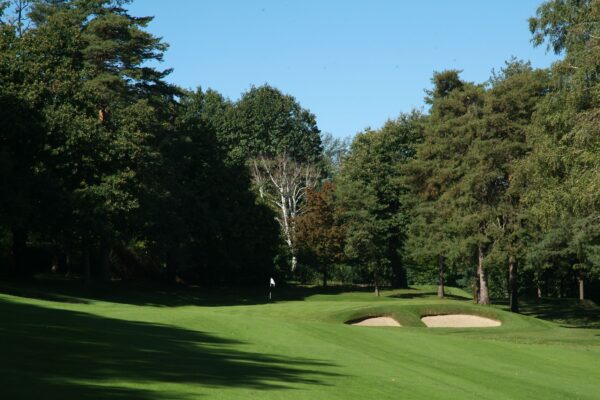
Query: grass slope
point(62, 341)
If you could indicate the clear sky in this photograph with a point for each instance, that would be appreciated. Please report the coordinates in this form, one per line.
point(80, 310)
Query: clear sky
point(352, 63)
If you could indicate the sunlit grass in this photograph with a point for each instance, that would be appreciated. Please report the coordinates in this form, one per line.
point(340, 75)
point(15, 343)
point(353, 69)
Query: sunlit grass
point(64, 341)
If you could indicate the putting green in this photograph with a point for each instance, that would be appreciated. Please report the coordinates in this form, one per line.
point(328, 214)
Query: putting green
point(166, 344)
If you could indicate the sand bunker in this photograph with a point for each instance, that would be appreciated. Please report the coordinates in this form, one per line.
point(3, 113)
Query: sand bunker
point(377, 321)
point(459, 321)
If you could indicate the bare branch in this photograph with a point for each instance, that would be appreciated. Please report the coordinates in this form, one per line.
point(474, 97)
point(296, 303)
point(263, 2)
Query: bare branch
point(283, 183)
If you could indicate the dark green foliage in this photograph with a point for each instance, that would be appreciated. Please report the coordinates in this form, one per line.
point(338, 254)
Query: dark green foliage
point(212, 213)
point(443, 230)
point(266, 122)
point(106, 170)
point(562, 169)
point(111, 167)
point(467, 203)
point(369, 194)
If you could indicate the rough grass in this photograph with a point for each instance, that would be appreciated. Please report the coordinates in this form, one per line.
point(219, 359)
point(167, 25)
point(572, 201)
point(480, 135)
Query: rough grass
point(60, 340)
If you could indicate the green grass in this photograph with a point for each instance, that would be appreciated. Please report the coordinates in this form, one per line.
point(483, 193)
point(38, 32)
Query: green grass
point(60, 340)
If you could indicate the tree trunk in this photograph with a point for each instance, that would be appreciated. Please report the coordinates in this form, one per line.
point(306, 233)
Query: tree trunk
point(325, 277)
point(513, 284)
point(484, 297)
point(440, 288)
point(539, 291)
point(288, 231)
point(105, 253)
point(399, 279)
point(55, 264)
point(87, 271)
point(581, 296)
point(105, 274)
point(172, 264)
point(19, 250)
point(68, 264)
point(376, 281)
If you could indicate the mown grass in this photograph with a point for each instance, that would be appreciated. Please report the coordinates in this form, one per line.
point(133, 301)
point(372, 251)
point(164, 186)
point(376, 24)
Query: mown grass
point(61, 340)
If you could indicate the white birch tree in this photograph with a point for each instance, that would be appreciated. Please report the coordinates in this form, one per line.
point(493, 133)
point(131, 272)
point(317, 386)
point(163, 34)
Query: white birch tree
point(283, 184)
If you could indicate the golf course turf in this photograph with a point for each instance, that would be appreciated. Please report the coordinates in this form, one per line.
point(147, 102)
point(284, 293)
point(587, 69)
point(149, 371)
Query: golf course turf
point(65, 341)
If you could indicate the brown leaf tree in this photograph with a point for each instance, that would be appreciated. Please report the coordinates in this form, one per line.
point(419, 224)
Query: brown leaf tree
point(319, 235)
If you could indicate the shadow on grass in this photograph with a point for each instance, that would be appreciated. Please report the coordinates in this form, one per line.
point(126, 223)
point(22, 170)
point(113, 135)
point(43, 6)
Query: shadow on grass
point(570, 313)
point(57, 354)
point(421, 295)
point(161, 295)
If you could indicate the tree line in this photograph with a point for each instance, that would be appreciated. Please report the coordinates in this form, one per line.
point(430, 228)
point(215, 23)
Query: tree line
point(107, 170)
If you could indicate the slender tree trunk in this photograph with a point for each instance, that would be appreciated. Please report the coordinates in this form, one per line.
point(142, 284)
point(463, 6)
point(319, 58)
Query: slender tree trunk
point(68, 264)
point(19, 250)
point(440, 288)
point(399, 279)
point(105, 254)
point(539, 291)
point(561, 289)
point(55, 264)
point(325, 277)
point(172, 264)
point(288, 231)
point(513, 284)
point(484, 297)
point(581, 296)
point(376, 281)
point(87, 270)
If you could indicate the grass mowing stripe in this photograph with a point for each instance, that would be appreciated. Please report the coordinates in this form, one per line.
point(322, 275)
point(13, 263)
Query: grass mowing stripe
point(136, 349)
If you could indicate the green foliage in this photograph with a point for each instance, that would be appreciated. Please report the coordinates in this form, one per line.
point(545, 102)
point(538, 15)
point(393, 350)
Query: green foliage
point(104, 159)
point(106, 168)
point(562, 169)
point(266, 122)
point(335, 151)
point(370, 190)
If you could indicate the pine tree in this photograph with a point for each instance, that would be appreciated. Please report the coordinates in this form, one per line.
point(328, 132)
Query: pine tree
point(564, 164)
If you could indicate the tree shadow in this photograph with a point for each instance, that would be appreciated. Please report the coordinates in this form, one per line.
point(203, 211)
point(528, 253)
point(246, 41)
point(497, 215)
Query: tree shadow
point(418, 294)
point(147, 293)
point(569, 313)
point(58, 354)
point(162, 295)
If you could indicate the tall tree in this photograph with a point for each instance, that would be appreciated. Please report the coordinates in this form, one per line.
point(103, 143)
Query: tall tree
point(283, 184)
point(208, 223)
point(513, 97)
point(24, 181)
point(266, 122)
point(378, 217)
point(564, 163)
point(447, 222)
point(85, 66)
point(320, 235)
point(334, 151)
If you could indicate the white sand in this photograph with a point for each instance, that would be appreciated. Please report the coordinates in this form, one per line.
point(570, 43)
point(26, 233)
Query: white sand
point(459, 321)
point(377, 321)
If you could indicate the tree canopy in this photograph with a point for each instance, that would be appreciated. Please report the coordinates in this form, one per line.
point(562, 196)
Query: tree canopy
point(108, 171)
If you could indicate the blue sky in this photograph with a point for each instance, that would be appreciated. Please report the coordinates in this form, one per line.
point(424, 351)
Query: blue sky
point(352, 63)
